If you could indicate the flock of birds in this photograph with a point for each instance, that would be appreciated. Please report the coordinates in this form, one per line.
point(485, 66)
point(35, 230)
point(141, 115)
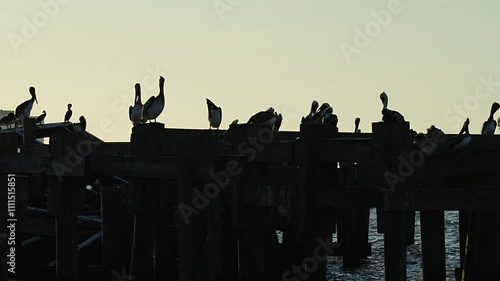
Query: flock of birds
point(141, 113)
point(23, 111)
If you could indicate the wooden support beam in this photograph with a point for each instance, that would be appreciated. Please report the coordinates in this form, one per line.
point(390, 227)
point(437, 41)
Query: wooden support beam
point(395, 245)
point(433, 245)
point(117, 230)
point(66, 228)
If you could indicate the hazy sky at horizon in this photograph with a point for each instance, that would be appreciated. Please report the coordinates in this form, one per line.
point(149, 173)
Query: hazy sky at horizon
point(429, 58)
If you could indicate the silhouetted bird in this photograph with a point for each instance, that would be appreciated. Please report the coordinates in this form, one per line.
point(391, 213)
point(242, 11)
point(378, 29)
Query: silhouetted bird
point(307, 118)
point(490, 125)
point(135, 112)
point(40, 118)
point(24, 109)
point(8, 120)
point(390, 116)
point(214, 115)
point(459, 141)
point(68, 114)
point(154, 105)
point(83, 123)
point(356, 125)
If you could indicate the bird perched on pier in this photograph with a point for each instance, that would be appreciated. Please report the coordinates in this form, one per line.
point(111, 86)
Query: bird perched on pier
point(135, 112)
point(83, 123)
point(490, 125)
point(24, 109)
point(8, 120)
point(317, 117)
point(214, 115)
point(68, 114)
point(390, 116)
point(307, 118)
point(40, 117)
point(224, 137)
point(459, 141)
point(356, 125)
point(264, 119)
point(329, 117)
point(154, 105)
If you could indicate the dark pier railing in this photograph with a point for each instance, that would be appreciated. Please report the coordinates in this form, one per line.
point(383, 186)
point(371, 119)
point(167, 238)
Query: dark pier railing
point(187, 205)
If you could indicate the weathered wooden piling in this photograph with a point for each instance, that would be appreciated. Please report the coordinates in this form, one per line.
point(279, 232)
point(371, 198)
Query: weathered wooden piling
point(433, 245)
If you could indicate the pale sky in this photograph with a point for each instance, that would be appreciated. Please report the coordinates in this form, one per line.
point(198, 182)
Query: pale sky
point(428, 57)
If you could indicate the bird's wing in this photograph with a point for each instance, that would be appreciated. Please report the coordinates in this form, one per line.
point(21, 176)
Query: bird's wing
point(148, 103)
point(19, 109)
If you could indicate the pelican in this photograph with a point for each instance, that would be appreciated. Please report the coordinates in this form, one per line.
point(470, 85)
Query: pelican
point(264, 118)
point(23, 110)
point(68, 114)
point(329, 117)
point(8, 120)
point(154, 105)
point(135, 112)
point(214, 115)
point(83, 123)
point(390, 116)
point(356, 125)
point(459, 141)
point(314, 107)
point(490, 125)
point(40, 118)
point(320, 113)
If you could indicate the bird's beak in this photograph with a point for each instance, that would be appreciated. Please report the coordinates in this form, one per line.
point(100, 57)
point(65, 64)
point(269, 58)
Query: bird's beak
point(36, 99)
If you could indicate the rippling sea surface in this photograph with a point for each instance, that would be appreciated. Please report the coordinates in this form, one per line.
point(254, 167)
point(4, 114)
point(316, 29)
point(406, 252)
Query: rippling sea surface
point(372, 269)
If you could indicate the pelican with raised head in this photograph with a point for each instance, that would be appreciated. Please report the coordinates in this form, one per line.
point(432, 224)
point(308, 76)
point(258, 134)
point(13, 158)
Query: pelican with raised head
point(390, 116)
point(154, 105)
point(490, 125)
point(68, 114)
point(314, 107)
point(214, 115)
point(459, 141)
point(24, 109)
point(135, 112)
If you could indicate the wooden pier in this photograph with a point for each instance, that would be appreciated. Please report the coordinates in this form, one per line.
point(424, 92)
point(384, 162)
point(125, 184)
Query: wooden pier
point(178, 204)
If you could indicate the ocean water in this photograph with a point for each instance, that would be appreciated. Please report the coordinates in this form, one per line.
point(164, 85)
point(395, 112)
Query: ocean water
point(372, 269)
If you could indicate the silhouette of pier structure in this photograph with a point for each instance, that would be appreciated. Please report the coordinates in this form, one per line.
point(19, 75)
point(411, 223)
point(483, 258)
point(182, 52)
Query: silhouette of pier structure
point(179, 204)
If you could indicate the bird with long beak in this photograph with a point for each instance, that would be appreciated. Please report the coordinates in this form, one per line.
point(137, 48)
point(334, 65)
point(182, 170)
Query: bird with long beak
point(154, 105)
point(490, 125)
point(356, 125)
point(68, 114)
point(214, 115)
point(24, 109)
point(40, 117)
point(135, 112)
point(390, 116)
point(317, 117)
point(314, 107)
point(459, 141)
